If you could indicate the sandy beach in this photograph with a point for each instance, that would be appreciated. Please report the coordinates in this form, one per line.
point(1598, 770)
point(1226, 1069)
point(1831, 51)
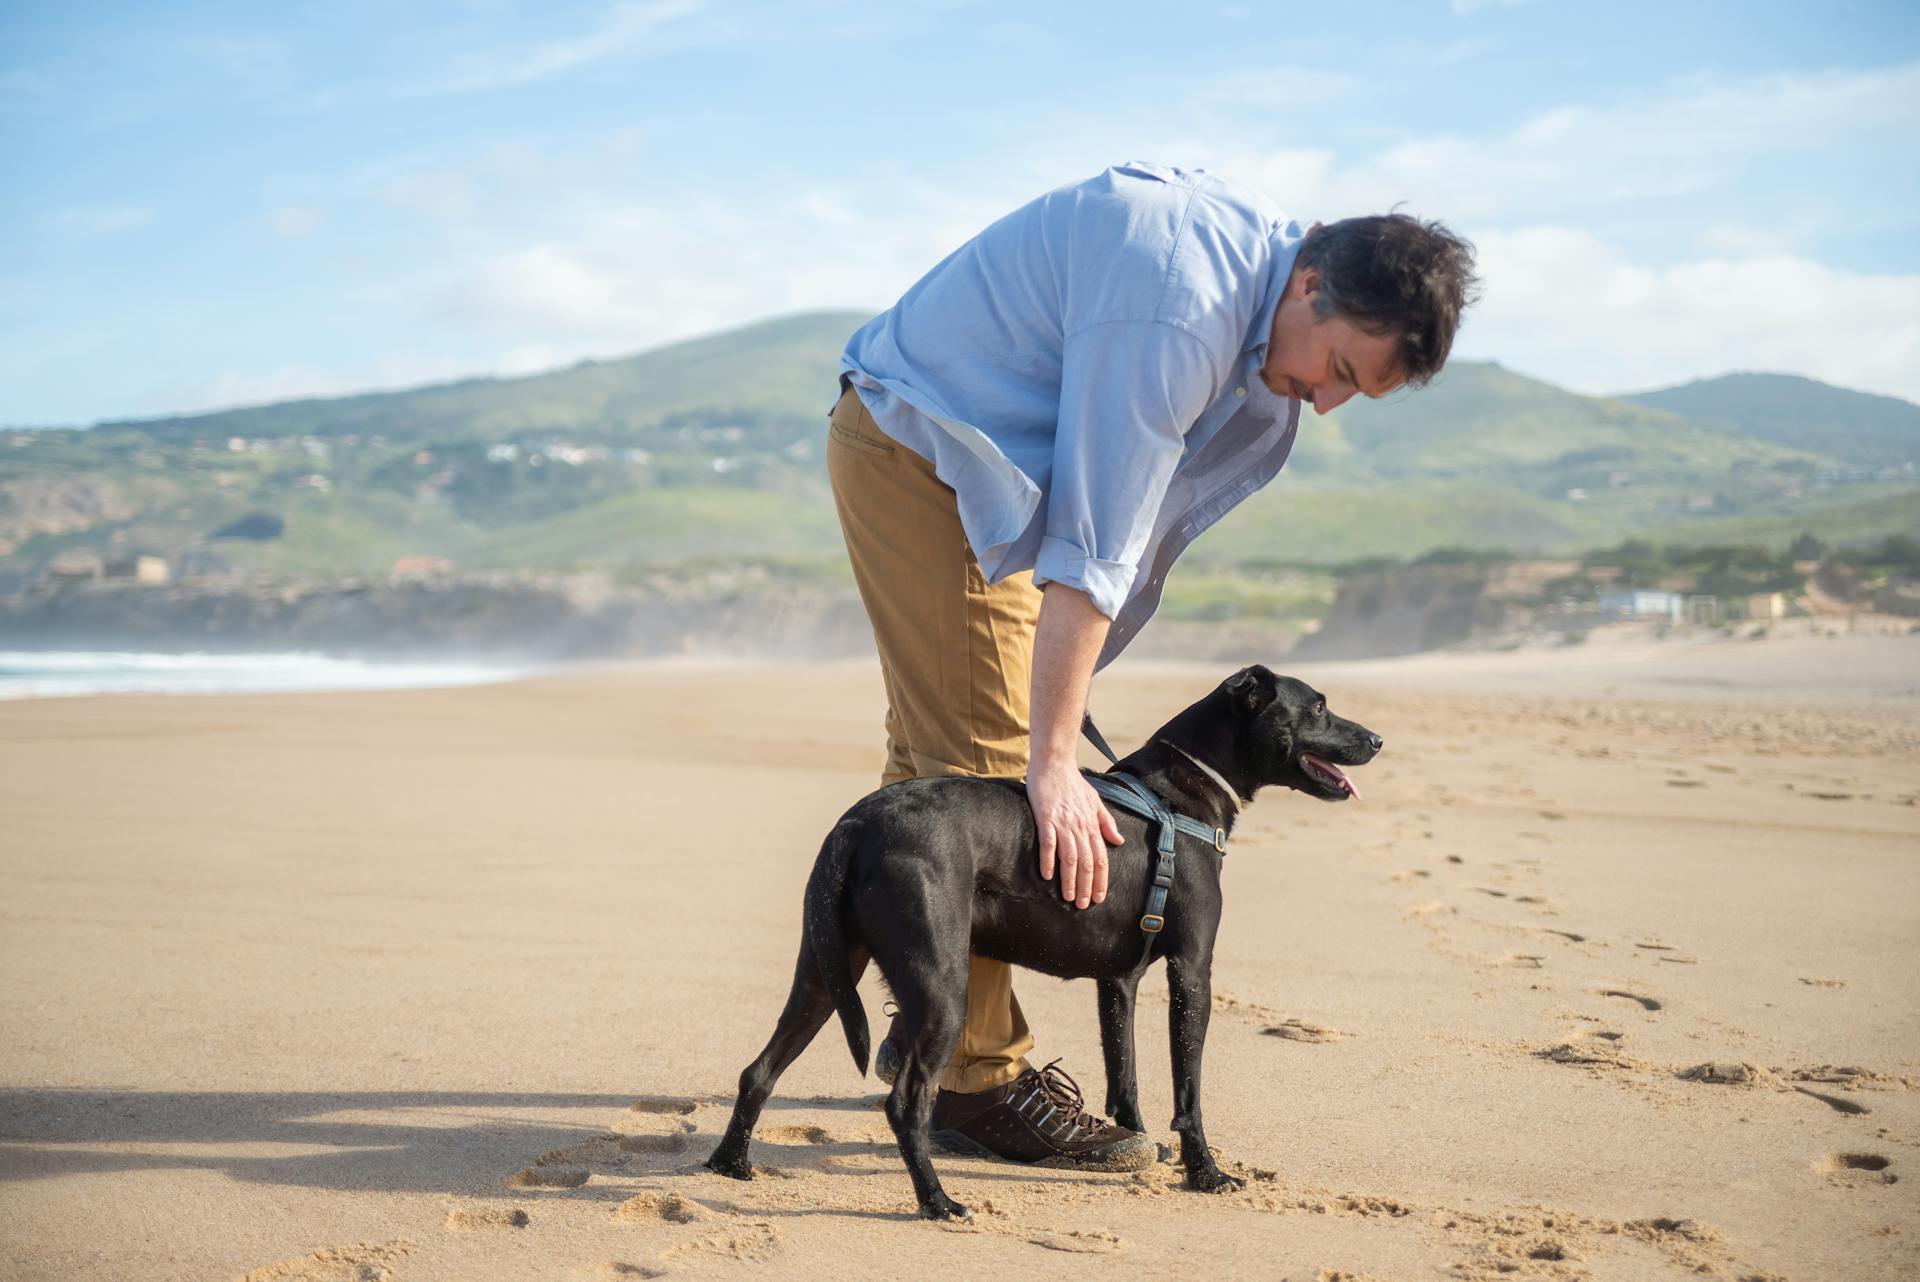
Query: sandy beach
point(1611, 975)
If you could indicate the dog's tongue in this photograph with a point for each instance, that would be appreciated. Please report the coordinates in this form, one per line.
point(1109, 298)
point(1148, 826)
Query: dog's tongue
point(1330, 772)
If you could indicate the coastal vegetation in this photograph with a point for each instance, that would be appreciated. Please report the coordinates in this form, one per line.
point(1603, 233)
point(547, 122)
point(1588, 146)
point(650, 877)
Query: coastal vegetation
point(700, 467)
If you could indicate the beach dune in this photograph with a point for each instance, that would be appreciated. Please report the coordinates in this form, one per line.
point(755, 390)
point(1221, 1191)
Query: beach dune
point(1611, 976)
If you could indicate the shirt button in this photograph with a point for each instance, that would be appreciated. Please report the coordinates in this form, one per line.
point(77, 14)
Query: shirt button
point(1239, 391)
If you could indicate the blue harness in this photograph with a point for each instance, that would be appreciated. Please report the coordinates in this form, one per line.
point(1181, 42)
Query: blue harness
point(1127, 792)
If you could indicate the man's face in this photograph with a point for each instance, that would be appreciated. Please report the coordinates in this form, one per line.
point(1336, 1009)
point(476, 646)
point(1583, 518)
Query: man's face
point(1324, 360)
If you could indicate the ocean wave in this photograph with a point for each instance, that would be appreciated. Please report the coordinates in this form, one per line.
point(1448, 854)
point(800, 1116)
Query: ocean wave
point(35, 674)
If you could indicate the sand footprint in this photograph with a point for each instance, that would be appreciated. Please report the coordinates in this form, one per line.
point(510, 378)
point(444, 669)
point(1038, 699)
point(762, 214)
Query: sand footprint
point(1858, 1169)
point(753, 1243)
point(1252, 1012)
point(550, 1177)
point(567, 1168)
point(1667, 953)
point(1723, 1072)
point(672, 1142)
point(1572, 936)
point(479, 1218)
point(670, 1105)
point(1079, 1241)
point(672, 1208)
point(362, 1262)
point(794, 1135)
point(1295, 1030)
point(1591, 1047)
point(1646, 1003)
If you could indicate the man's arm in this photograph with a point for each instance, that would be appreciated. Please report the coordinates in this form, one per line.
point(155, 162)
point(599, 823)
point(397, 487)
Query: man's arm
point(1072, 822)
point(1129, 390)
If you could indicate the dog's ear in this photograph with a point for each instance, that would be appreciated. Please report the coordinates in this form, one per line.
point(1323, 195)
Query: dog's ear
point(1251, 689)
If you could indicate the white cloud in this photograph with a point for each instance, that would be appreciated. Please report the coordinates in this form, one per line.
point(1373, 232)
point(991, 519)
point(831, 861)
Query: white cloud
point(549, 287)
point(1736, 240)
point(622, 26)
point(1573, 159)
point(601, 274)
point(530, 358)
point(1565, 306)
point(234, 388)
point(634, 274)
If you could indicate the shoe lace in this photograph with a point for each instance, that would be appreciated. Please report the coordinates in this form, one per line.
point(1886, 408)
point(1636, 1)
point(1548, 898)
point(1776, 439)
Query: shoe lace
point(1065, 1094)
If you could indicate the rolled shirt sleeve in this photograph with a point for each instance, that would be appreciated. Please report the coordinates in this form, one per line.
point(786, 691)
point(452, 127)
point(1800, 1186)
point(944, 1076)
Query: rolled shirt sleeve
point(1129, 392)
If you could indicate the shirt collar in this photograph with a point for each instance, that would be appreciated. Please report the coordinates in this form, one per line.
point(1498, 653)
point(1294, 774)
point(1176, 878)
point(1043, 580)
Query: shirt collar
point(1286, 238)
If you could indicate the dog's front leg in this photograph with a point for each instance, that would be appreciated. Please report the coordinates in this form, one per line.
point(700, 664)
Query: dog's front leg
point(1117, 999)
point(1191, 1001)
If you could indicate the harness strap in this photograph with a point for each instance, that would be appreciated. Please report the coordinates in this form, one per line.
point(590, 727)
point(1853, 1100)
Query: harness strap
point(1127, 792)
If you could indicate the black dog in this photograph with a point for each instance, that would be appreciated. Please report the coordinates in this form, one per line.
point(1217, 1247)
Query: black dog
point(922, 872)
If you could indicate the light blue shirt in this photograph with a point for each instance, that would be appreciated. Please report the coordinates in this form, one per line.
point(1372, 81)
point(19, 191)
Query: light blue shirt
point(1084, 374)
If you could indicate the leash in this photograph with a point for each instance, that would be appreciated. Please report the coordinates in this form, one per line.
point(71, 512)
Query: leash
point(1098, 740)
point(1127, 792)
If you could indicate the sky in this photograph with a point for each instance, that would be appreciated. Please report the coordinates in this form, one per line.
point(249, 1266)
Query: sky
point(214, 204)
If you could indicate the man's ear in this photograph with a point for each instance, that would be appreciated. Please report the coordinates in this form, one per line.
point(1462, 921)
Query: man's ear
point(1251, 689)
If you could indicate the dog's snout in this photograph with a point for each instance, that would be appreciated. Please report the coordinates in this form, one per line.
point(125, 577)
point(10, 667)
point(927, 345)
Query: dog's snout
point(1375, 742)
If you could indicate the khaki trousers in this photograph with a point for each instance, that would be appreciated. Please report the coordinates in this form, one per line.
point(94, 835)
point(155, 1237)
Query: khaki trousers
point(956, 655)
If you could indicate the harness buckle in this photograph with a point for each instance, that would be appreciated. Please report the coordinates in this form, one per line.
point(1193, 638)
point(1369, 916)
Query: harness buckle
point(1153, 923)
point(1220, 840)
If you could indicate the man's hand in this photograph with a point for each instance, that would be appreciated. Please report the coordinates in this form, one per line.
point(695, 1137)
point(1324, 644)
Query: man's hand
point(1074, 826)
point(1075, 829)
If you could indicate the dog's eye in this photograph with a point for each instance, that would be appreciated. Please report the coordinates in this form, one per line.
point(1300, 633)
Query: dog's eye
point(1319, 709)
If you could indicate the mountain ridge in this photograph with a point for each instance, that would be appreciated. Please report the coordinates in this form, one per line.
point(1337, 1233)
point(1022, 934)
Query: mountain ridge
point(713, 447)
point(1863, 428)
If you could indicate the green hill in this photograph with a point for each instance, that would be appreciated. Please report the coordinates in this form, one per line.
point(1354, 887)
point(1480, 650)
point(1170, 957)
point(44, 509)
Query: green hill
point(1478, 416)
point(1852, 427)
point(781, 366)
point(679, 459)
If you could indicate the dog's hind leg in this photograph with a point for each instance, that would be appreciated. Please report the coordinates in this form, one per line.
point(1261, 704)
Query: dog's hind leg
point(808, 1007)
point(931, 1017)
point(1117, 999)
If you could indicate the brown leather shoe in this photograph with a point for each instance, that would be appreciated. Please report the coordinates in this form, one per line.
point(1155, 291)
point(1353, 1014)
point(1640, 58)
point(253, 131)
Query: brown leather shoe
point(1039, 1118)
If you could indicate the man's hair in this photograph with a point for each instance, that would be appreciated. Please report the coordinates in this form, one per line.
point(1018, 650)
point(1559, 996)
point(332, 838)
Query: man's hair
point(1393, 275)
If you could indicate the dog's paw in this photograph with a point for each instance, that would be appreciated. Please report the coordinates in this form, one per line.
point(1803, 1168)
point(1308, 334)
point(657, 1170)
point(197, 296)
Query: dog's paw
point(1214, 1181)
point(734, 1166)
point(942, 1207)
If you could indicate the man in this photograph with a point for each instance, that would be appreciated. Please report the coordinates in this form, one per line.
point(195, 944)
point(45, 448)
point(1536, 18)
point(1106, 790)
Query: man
point(1023, 445)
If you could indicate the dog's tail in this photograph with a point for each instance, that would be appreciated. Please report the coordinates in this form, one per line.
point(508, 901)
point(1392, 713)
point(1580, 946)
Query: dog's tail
point(826, 934)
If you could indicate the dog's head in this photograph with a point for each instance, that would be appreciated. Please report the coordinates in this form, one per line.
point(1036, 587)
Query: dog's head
point(1286, 735)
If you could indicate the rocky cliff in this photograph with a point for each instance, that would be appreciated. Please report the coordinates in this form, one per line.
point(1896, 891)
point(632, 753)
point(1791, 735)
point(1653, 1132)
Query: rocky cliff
point(1424, 607)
